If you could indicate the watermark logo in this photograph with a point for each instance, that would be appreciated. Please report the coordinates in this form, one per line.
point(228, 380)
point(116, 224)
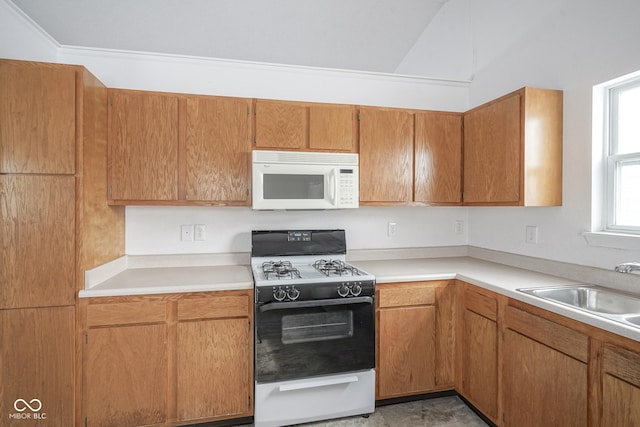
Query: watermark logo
point(31, 410)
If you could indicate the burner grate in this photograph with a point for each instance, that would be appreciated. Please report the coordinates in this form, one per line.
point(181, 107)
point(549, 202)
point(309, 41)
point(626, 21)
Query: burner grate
point(279, 270)
point(334, 267)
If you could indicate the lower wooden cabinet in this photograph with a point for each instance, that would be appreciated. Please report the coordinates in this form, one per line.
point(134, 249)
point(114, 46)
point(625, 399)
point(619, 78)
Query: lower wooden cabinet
point(478, 351)
point(545, 372)
point(37, 366)
point(415, 338)
point(167, 360)
point(620, 387)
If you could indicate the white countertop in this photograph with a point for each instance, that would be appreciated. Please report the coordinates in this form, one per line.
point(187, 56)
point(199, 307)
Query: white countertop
point(495, 277)
point(149, 276)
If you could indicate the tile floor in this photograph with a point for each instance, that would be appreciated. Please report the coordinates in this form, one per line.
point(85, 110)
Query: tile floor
point(437, 412)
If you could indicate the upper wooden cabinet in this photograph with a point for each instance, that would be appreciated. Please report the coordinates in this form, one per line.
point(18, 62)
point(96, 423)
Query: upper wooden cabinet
point(438, 157)
point(38, 117)
point(282, 125)
point(409, 156)
point(513, 150)
point(386, 155)
point(171, 148)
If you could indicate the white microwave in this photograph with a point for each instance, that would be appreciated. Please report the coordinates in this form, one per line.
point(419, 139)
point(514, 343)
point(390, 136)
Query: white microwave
point(304, 180)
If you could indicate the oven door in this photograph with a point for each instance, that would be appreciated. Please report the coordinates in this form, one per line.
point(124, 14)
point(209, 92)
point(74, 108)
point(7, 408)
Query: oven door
point(302, 339)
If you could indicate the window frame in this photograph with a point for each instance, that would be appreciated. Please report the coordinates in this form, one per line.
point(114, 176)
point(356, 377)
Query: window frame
point(613, 161)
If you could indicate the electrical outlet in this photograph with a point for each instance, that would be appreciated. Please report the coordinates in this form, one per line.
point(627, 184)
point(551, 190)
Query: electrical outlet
point(392, 228)
point(531, 234)
point(459, 228)
point(200, 232)
point(186, 232)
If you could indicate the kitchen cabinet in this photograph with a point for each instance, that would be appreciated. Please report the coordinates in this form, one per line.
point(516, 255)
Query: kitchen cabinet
point(38, 116)
point(285, 125)
point(38, 237)
point(181, 358)
point(410, 157)
point(214, 354)
point(415, 338)
point(545, 372)
point(620, 385)
point(438, 158)
point(513, 150)
point(37, 354)
point(386, 156)
point(178, 149)
point(479, 350)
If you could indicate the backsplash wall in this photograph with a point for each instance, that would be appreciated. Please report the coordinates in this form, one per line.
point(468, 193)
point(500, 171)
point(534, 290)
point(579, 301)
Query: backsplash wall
point(156, 230)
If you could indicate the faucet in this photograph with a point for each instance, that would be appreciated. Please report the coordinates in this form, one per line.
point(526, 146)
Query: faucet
point(627, 267)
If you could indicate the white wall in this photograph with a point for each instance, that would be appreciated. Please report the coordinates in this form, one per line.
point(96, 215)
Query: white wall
point(561, 44)
point(21, 39)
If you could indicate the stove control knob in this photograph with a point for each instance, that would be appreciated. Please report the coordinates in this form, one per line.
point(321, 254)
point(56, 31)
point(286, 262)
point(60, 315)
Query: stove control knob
point(279, 294)
point(356, 289)
point(343, 290)
point(293, 293)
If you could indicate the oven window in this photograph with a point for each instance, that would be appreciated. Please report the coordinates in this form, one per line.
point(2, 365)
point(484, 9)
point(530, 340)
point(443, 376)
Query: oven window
point(300, 187)
point(312, 327)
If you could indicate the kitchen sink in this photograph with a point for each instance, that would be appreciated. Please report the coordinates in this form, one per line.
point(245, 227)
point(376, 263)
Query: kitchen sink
point(609, 303)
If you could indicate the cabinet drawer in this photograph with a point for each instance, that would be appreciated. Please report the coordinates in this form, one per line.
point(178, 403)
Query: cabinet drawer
point(561, 338)
point(126, 313)
point(481, 304)
point(621, 363)
point(213, 307)
point(405, 294)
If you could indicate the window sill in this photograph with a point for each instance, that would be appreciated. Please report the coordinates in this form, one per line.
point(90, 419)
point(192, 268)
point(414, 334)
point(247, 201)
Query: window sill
point(613, 240)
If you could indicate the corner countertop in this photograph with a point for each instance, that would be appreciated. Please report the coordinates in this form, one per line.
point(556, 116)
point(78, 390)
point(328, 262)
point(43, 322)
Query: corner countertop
point(499, 278)
point(174, 274)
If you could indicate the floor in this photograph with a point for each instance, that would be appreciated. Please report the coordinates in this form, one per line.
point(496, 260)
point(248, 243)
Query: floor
point(437, 412)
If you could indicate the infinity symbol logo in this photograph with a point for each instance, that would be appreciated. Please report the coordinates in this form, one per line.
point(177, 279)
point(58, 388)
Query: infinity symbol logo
point(37, 405)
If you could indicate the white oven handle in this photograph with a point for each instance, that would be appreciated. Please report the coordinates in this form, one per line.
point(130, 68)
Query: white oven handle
point(314, 303)
point(319, 383)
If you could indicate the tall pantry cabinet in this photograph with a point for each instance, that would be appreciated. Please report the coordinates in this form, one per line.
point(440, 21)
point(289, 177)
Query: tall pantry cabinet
point(54, 225)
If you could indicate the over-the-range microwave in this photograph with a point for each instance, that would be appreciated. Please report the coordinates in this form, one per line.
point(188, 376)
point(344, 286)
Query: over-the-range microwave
point(304, 180)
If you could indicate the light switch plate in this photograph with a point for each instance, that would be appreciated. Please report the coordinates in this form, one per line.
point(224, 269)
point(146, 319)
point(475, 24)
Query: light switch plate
point(186, 232)
point(531, 234)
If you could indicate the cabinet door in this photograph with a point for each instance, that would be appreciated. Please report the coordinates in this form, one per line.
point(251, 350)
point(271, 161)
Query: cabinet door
point(37, 353)
point(213, 377)
point(126, 375)
point(386, 156)
point(37, 229)
point(492, 152)
point(332, 127)
point(38, 117)
point(217, 149)
point(438, 157)
point(480, 363)
point(281, 125)
point(407, 344)
point(143, 146)
point(620, 387)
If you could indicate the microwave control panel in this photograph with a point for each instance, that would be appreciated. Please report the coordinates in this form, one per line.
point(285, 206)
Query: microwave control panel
point(348, 188)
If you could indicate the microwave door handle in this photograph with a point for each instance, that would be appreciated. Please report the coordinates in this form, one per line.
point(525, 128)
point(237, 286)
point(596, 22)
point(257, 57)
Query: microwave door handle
point(332, 187)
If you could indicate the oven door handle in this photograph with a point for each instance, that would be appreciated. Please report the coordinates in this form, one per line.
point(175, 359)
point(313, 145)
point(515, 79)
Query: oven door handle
point(319, 383)
point(315, 303)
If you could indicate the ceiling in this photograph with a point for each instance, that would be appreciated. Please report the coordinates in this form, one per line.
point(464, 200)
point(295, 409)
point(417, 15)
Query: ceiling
point(364, 35)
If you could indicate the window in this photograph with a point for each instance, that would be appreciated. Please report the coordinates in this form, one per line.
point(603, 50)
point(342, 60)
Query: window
point(622, 157)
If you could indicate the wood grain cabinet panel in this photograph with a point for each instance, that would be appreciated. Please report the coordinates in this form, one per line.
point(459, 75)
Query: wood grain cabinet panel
point(37, 229)
point(386, 155)
point(217, 149)
point(415, 338)
point(213, 378)
point(281, 125)
point(38, 117)
point(143, 145)
point(620, 387)
point(438, 158)
point(545, 373)
point(513, 150)
point(332, 127)
point(37, 354)
point(479, 354)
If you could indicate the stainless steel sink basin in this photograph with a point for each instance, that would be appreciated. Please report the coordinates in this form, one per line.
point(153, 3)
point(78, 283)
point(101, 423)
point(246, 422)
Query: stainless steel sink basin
point(609, 303)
